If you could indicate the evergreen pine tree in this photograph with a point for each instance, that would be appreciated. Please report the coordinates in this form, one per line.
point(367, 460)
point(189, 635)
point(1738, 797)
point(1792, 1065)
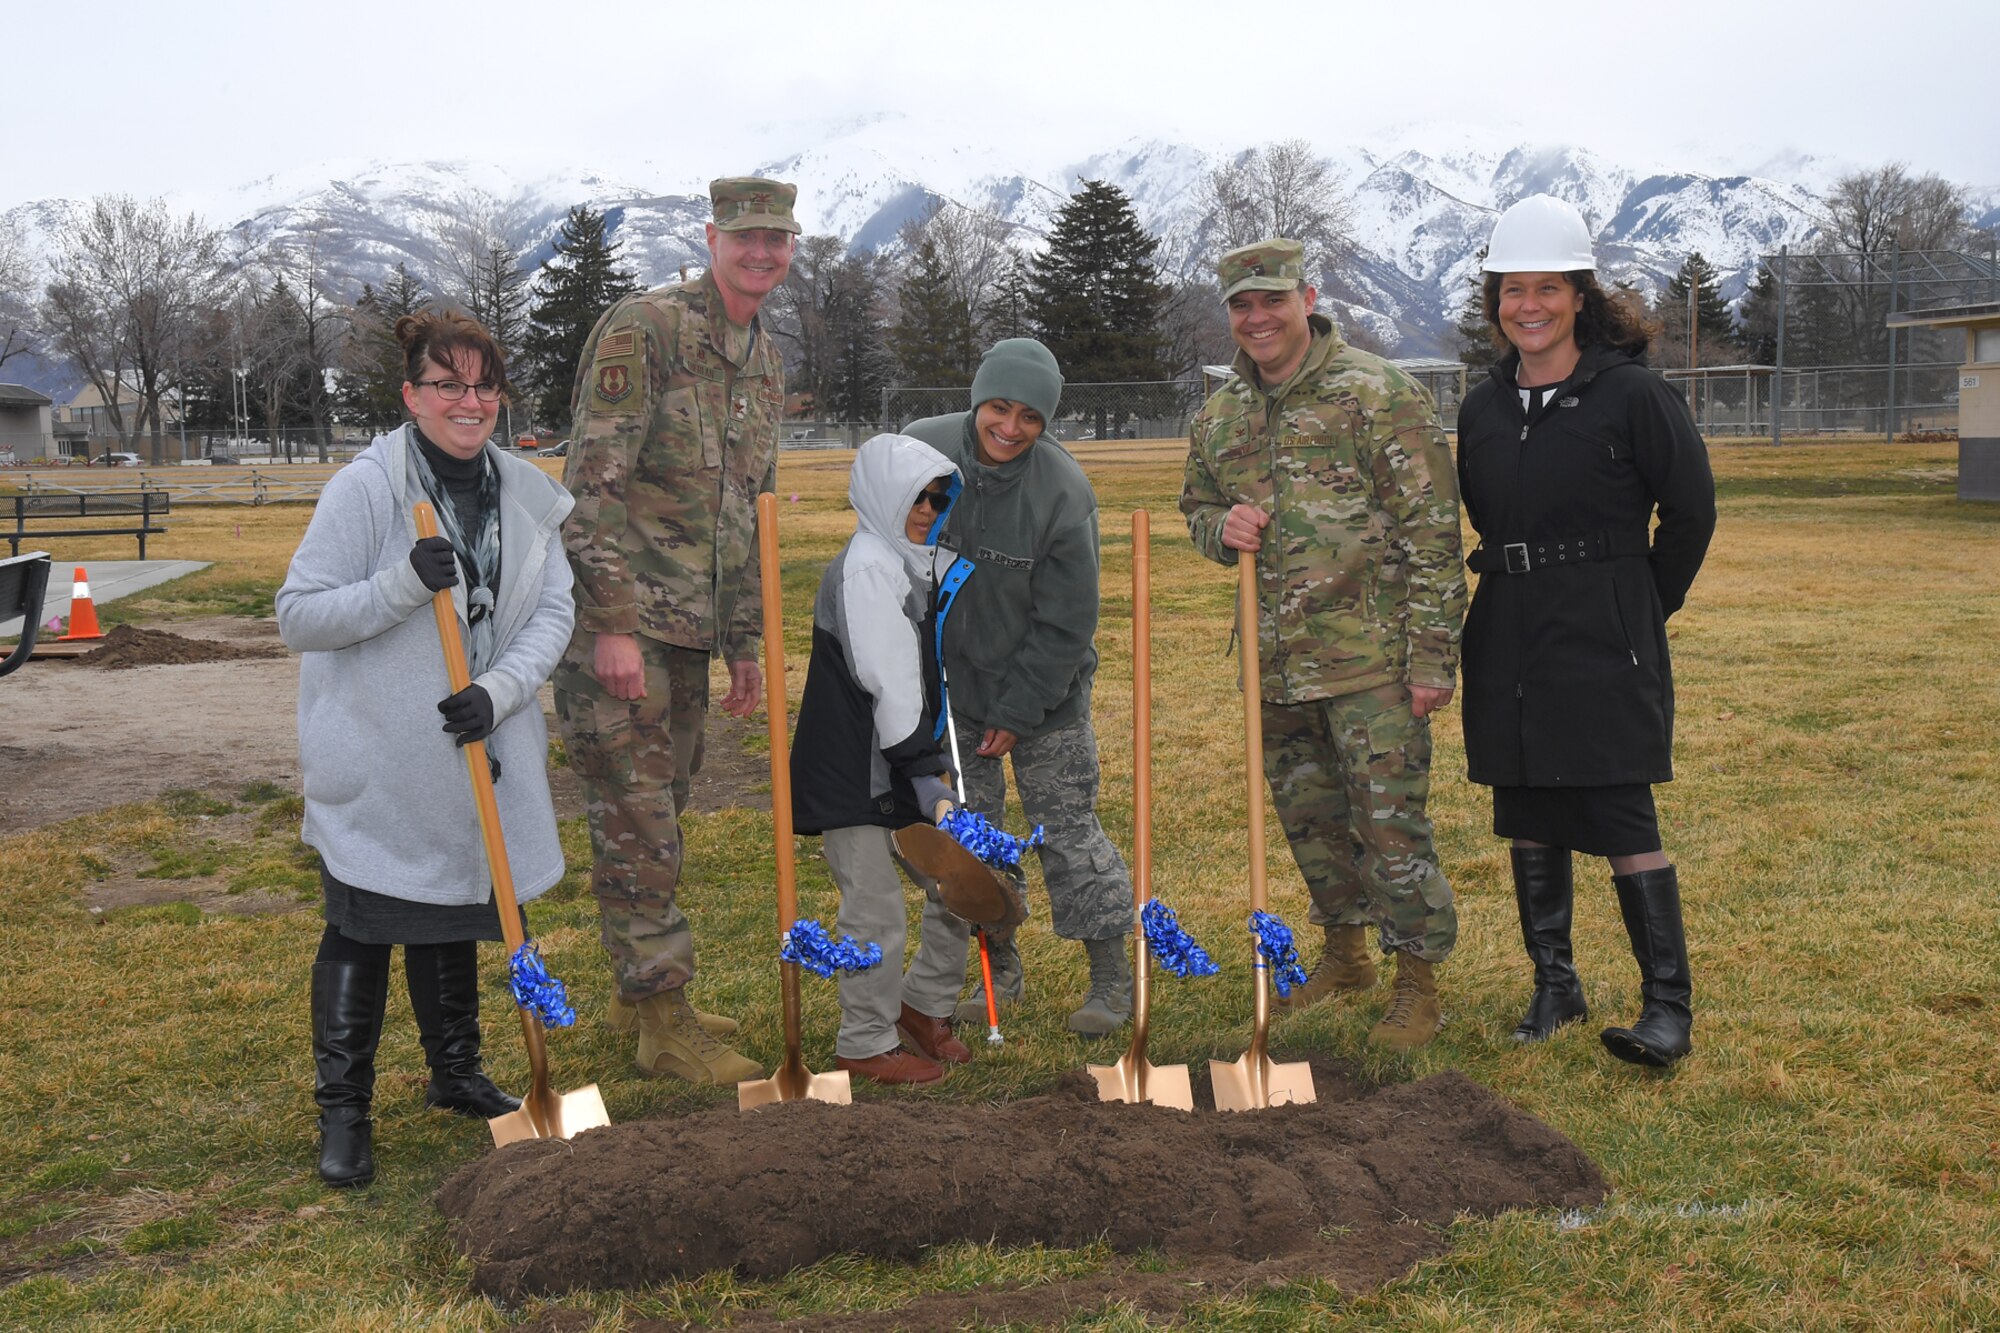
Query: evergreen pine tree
point(372, 387)
point(500, 300)
point(1713, 322)
point(860, 361)
point(1007, 309)
point(573, 290)
point(935, 342)
point(1474, 336)
point(1096, 292)
point(1758, 334)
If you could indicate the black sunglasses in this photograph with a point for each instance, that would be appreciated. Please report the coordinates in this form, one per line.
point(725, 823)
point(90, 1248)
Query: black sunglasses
point(937, 499)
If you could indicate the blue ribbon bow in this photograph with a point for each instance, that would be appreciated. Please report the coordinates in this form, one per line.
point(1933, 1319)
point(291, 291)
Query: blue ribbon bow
point(536, 990)
point(1274, 941)
point(996, 847)
point(1172, 945)
point(808, 945)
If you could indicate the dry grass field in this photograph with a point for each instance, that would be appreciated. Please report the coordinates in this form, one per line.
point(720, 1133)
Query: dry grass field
point(1829, 1158)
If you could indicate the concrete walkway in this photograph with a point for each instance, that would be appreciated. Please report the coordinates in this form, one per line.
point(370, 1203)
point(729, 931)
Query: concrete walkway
point(109, 580)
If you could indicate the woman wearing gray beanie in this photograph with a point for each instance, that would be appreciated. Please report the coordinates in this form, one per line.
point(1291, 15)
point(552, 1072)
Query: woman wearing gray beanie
point(1019, 659)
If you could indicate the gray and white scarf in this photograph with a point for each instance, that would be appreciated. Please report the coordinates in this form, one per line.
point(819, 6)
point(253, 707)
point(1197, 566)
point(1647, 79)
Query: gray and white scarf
point(478, 552)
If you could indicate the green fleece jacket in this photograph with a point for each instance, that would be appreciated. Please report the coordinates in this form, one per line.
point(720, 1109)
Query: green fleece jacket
point(1018, 641)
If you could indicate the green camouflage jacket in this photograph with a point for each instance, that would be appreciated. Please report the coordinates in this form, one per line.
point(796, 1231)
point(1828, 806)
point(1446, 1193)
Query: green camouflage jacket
point(1360, 577)
point(675, 432)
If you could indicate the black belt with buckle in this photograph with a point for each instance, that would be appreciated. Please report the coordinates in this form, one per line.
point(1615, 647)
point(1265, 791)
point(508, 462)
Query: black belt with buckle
point(1526, 557)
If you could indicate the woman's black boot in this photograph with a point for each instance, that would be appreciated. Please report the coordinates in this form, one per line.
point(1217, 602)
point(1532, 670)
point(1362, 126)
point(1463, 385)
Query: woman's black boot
point(1544, 892)
point(1650, 901)
point(347, 1003)
point(444, 996)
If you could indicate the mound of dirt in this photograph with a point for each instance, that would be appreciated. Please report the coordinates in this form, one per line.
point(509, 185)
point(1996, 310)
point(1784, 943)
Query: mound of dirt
point(129, 646)
point(1334, 1183)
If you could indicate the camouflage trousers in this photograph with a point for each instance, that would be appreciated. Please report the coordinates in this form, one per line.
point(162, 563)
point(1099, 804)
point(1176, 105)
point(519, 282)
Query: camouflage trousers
point(1090, 891)
point(635, 758)
point(1349, 777)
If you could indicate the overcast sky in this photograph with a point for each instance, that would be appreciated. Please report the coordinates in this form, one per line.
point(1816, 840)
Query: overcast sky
point(201, 96)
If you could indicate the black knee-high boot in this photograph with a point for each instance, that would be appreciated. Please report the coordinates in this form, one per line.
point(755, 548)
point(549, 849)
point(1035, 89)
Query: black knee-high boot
point(1545, 894)
point(1650, 901)
point(444, 996)
point(347, 1002)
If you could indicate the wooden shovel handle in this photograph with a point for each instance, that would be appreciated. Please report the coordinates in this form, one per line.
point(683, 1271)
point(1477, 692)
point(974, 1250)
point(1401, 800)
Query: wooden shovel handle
point(476, 767)
point(775, 708)
point(1142, 783)
point(1253, 717)
point(772, 585)
point(1142, 709)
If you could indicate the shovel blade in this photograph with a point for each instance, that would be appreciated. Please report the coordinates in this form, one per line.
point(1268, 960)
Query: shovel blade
point(972, 890)
point(793, 1083)
point(551, 1115)
point(1137, 1081)
point(1256, 1081)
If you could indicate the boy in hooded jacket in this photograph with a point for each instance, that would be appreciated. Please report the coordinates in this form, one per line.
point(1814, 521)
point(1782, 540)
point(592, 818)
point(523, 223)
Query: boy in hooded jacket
point(867, 759)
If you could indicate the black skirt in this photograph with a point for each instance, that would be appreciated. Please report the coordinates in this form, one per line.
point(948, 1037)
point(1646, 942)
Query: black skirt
point(377, 918)
point(1597, 821)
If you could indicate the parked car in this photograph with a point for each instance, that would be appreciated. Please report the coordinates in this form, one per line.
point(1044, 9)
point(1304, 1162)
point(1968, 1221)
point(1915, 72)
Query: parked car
point(560, 449)
point(115, 460)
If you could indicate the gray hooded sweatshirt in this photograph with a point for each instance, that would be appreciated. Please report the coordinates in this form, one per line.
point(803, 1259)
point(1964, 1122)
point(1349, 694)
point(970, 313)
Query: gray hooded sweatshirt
point(388, 802)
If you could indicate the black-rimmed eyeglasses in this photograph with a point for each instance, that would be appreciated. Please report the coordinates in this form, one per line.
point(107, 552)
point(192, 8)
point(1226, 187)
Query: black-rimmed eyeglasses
point(453, 390)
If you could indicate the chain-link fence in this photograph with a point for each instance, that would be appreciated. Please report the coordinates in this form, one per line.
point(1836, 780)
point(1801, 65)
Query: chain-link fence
point(1822, 400)
point(1149, 410)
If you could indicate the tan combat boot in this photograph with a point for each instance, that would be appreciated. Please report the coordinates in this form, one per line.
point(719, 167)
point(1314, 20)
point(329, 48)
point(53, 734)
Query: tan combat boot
point(623, 1017)
point(1412, 1017)
point(673, 1041)
point(1346, 964)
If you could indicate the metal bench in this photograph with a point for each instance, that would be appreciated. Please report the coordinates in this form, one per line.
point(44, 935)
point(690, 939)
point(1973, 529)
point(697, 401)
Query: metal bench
point(23, 580)
point(41, 506)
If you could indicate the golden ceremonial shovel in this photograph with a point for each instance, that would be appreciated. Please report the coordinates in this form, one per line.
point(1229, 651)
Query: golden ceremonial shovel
point(791, 1081)
point(1254, 1081)
point(1132, 1079)
point(543, 1114)
point(972, 891)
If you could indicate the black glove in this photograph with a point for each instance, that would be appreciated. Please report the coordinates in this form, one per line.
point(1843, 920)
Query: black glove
point(435, 562)
point(468, 714)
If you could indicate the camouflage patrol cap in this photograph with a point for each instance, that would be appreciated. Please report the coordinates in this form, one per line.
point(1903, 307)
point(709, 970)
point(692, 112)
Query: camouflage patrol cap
point(744, 202)
point(1276, 265)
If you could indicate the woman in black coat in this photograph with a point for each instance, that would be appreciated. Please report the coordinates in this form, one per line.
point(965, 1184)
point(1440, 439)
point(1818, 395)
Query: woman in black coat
point(1564, 457)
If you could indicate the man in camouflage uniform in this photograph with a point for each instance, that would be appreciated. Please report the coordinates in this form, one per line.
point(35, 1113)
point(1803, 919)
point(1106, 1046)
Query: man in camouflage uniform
point(676, 410)
point(1329, 463)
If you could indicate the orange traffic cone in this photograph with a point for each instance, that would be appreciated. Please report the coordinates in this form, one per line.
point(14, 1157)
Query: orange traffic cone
point(82, 611)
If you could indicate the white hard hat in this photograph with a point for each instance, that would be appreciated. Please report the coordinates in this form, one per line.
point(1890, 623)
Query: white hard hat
point(1541, 234)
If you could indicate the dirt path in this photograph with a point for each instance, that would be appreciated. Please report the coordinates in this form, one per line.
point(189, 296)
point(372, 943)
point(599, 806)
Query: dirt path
point(76, 737)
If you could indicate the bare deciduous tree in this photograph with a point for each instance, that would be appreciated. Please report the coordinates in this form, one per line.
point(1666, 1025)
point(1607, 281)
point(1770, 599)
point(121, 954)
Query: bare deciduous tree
point(1873, 211)
point(478, 265)
point(132, 284)
point(17, 284)
point(315, 327)
point(972, 252)
point(1281, 189)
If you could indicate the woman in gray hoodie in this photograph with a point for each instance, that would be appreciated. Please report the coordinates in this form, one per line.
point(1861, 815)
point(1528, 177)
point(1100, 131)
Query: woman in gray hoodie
point(387, 803)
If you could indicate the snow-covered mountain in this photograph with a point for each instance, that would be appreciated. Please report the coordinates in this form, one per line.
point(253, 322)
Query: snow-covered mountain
point(1422, 205)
